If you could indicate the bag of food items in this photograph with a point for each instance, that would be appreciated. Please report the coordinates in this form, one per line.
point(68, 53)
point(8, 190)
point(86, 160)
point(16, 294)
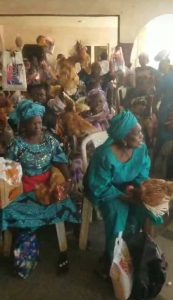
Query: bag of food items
point(10, 181)
point(121, 271)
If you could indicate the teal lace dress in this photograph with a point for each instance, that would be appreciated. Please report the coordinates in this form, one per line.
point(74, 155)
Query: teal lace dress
point(26, 212)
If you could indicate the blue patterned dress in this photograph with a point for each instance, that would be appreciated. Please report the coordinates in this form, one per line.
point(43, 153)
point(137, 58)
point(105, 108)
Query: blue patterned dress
point(26, 212)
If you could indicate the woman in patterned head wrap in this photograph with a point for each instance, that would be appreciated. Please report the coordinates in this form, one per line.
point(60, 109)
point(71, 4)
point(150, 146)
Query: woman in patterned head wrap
point(121, 161)
point(37, 153)
point(99, 113)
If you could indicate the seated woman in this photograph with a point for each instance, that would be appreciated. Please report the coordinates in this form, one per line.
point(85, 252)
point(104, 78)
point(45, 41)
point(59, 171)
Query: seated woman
point(94, 79)
point(121, 161)
point(146, 118)
point(38, 93)
point(99, 114)
point(37, 153)
point(162, 166)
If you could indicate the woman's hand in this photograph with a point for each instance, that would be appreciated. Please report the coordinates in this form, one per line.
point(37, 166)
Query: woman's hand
point(62, 191)
point(128, 198)
point(132, 195)
point(69, 185)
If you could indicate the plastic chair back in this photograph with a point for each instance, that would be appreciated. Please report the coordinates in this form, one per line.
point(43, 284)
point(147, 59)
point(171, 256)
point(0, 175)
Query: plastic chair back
point(96, 139)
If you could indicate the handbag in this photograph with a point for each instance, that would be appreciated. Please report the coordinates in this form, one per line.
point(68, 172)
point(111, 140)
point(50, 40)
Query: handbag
point(13, 71)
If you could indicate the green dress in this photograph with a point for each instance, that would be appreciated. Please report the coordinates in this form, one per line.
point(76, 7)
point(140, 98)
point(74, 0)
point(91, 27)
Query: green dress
point(105, 183)
point(26, 212)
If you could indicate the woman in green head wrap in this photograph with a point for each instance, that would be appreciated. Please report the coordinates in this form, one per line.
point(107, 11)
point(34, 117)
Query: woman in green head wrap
point(120, 162)
point(37, 153)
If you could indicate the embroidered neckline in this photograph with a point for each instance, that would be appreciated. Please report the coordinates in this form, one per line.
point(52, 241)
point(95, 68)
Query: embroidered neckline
point(34, 148)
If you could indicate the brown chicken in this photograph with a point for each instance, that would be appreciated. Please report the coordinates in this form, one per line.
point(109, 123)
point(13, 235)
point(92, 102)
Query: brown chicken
point(76, 125)
point(6, 106)
point(81, 56)
point(42, 194)
point(47, 194)
point(68, 76)
point(56, 178)
point(155, 191)
point(71, 123)
point(155, 194)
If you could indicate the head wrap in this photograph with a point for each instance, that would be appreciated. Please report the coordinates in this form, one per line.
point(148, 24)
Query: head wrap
point(121, 125)
point(26, 110)
point(139, 100)
point(97, 92)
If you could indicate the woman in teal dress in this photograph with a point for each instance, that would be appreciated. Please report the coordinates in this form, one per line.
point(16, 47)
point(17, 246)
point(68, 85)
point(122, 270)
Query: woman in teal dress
point(37, 153)
point(122, 161)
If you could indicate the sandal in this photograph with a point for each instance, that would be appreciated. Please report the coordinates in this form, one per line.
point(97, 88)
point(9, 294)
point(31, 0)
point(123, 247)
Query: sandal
point(63, 263)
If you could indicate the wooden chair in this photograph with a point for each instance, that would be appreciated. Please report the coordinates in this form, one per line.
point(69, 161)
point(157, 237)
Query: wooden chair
point(96, 139)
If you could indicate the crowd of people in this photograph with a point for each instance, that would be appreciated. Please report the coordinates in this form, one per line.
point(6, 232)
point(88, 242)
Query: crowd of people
point(44, 127)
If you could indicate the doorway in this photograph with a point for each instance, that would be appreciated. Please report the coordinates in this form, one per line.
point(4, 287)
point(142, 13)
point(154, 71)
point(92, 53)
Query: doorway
point(154, 37)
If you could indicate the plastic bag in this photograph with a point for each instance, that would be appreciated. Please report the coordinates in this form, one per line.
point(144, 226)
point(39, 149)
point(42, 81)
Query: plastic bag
point(149, 266)
point(121, 271)
point(10, 181)
point(13, 71)
point(10, 171)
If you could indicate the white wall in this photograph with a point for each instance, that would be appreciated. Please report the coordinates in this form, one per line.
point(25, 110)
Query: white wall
point(65, 31)
point(65, 37)
point(134, 14)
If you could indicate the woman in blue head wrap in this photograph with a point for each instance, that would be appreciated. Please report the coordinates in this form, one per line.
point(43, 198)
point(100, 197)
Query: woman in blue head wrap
point(37, 152)
point(120, 162)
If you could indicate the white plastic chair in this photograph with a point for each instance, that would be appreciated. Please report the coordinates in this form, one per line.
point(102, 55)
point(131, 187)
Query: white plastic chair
point(61, 235)
point(6, 242)
point(121, 93)
point(96, 139)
